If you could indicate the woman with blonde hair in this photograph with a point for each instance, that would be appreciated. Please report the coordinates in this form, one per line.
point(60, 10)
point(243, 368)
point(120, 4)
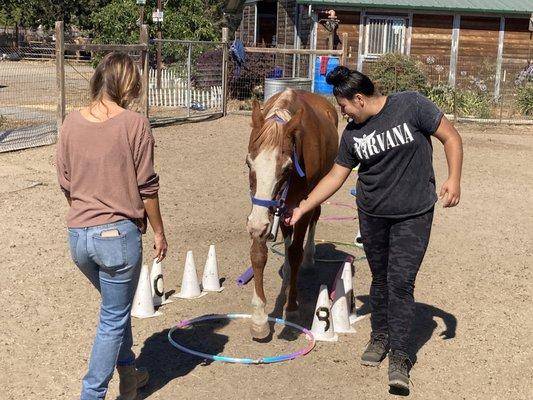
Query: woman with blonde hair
point(105, 169)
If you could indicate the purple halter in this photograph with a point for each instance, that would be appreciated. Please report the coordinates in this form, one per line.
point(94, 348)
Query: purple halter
point(279, 204)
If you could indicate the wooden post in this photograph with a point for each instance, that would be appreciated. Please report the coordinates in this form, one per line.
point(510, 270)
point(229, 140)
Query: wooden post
point(499, 60)
point(454, 50)
point(225, 34)
point(344, 57)
point(145, 69)
point(60, 74)
point(409, 34)
point(159, 37)
point(360, 44)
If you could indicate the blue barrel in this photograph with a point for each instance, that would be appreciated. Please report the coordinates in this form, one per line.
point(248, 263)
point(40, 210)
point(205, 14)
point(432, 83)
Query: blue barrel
point(320, 80)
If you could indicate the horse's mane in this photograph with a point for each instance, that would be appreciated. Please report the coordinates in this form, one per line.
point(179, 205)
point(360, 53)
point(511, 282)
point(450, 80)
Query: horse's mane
point(271, 133)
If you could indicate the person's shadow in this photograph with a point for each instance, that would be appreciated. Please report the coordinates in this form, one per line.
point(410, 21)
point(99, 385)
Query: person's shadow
point(164, 362)
point(424, 325)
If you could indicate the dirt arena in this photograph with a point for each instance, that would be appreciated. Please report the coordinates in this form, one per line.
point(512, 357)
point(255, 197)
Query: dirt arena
point(472, 335)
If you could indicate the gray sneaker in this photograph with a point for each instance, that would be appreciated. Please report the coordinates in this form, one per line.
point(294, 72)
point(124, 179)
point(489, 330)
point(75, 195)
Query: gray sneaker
point(399, 366)
point(376, 350)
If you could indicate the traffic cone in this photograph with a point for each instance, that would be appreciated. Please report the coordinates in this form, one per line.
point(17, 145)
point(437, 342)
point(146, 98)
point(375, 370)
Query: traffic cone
point(340, 310)
point(347, 279)
point(157, 284)
point(358, 241)
point(210, 280)
point(322, 327)
point(143, 305)
point(190, 289)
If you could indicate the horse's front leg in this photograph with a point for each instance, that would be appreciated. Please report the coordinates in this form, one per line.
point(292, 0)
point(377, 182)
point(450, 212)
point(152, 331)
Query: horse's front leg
point(258, 255)
point(309, 249)
point(295, 253)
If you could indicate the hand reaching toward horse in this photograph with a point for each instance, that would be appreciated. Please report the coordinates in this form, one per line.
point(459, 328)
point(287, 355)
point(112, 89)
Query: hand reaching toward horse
point(292, 216)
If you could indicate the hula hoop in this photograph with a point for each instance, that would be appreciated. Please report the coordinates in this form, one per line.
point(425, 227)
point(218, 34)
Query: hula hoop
point(347, 244)
point(263, 360)
point(338, 217)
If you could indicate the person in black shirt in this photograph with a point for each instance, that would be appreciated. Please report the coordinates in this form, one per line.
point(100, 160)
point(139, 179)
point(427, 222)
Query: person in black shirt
point(389, 137)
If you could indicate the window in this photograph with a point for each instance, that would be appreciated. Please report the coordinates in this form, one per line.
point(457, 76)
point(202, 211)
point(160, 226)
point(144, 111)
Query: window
point(384, 34)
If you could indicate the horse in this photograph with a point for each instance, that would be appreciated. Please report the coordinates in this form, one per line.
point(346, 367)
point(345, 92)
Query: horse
point(293, 144)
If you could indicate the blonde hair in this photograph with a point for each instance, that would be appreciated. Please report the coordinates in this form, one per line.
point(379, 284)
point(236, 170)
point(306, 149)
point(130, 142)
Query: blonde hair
point(116, 77)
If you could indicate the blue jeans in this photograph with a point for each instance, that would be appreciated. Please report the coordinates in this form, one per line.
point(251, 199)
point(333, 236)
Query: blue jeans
point(112, 265)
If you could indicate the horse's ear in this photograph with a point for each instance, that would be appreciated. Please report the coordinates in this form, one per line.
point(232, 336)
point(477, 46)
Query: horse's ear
point(292, 126)
point(257, 116)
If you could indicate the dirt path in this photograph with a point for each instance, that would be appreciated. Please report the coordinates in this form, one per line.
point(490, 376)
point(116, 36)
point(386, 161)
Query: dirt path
point(474, 288)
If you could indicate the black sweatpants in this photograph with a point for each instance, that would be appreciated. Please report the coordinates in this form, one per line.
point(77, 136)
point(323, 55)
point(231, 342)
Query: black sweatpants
point(394, 249)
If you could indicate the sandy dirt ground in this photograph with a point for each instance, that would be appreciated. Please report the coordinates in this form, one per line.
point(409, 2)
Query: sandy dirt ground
point(472, 332)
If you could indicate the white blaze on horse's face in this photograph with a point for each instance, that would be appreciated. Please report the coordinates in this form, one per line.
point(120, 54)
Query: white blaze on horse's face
point(266, 168)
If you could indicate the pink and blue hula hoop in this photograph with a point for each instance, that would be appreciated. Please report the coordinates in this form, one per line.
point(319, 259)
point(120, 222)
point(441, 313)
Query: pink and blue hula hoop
point(263, 360)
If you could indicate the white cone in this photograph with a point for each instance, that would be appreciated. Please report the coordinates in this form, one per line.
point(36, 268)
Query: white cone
point(157, 285)
point(340, 310)
point(143, 305)
point(349, 292)
point(190, 289)
point(210, 279)
point(322, 327)
point(358, 241)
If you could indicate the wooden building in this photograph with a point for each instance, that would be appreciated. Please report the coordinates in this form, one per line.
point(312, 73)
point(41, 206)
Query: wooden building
point(454, 39)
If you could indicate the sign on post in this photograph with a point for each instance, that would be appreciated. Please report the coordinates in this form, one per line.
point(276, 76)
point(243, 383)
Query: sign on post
point(157, 16)
point(141, 2)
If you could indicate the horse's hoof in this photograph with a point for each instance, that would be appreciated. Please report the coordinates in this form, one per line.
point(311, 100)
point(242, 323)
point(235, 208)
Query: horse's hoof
point(260, 331)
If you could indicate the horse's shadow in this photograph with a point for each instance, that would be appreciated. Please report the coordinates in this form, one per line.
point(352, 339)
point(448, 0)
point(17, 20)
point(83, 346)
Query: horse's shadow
point(310, 280)
point(328, 260)
point(164, 362)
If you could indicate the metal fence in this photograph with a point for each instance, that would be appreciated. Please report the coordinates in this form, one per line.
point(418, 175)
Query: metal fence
point(27, 98)
point(477, 95)
point(190, 83)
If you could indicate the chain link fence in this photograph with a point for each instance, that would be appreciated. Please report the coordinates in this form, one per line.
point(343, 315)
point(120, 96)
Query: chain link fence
point(27, 97)
point(477, 95)
point(189, 85)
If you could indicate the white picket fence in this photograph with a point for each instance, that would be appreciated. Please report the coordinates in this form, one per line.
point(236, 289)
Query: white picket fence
point(174, 92)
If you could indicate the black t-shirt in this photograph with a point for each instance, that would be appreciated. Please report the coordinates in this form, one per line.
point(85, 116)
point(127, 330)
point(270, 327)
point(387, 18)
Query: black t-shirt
point(394, 150)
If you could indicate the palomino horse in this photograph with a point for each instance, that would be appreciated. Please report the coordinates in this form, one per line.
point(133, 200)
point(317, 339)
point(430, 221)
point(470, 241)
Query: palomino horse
point(293, 144)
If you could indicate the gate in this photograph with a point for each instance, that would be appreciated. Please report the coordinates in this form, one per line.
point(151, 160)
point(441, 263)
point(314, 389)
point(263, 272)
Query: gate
point(190, 84)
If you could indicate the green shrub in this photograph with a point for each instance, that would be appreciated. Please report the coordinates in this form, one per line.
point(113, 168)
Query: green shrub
point(468, 102)
point(524, 99)
point(472, 103)
point(397, 73)
point(442, 96)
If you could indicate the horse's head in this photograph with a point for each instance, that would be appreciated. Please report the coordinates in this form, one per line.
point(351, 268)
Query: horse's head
point(269, 159)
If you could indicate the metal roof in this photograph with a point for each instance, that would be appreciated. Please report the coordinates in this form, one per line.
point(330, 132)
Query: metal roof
point(455, 6)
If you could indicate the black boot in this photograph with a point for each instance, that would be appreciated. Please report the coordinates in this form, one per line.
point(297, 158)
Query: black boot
point(376, 350)
point(399, 366)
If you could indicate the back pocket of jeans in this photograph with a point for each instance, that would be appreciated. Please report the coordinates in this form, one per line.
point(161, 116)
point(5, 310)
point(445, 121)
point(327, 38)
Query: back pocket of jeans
point(111, 251)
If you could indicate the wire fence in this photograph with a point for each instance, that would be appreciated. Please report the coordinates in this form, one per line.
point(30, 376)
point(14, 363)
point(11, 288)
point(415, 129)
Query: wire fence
point(249, 82)
point(478, 95)
point(27, 98)
point(189, 83)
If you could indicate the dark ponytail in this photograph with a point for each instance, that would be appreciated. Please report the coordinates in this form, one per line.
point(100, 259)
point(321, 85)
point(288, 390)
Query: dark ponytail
point(346, 83)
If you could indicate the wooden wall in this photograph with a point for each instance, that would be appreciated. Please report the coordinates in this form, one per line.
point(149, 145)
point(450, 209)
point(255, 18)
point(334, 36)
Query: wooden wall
point(348, 23)
point(518, 41)
point(478, 50)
